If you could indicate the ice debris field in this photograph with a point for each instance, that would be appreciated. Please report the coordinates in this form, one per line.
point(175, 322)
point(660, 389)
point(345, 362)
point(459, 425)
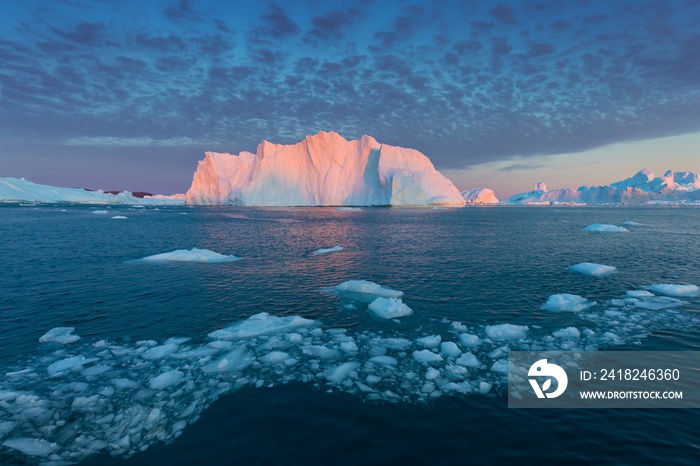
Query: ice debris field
point(80, 396)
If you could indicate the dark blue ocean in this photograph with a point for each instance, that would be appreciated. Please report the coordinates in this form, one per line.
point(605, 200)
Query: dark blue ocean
point(146, 384)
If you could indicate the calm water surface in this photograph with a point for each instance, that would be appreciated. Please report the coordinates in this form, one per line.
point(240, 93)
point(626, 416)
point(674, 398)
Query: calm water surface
point(67, 266)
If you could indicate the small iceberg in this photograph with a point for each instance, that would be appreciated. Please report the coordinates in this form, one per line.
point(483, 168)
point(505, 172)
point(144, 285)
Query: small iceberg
point(389, 308)
point(679, 291)
point(506, 332)
point(566, 302)
point(193, 255)
point(327, 250)
point(632, 223)
point(63, 335)
point(363, 291)
point(100, 212)
point(592, 270)
point(261, 324)
point(605, 228)
point(118, 217)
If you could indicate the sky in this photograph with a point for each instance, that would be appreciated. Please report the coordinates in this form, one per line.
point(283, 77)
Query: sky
point(130, 94)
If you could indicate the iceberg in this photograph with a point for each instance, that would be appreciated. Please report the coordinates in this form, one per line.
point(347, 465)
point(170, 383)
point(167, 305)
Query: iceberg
point(641, 188)
point(479, 196)
point(327, 250)
point(322, 170)
point(363, 291)
point(21, 190)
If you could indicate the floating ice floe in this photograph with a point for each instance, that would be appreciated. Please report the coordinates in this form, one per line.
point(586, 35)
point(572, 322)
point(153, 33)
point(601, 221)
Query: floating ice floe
point(63, 335)
point(605, 228)
point(118, 217)
point(100, 212)
point(566, 302)
point(192, 255)
point(389, 308)
point(348, 208)
point(680, 291)
point(631, 223)
point(593, 270)
point(63, 406)
point(327, 250)
point(363, 291)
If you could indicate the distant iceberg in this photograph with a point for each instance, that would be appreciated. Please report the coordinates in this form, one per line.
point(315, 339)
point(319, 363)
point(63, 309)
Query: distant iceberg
point(642, 188)
point(192, 255)
point(322, 170)
point(591, 269)
point(479, 196)
point(605, 228)
point(21, 190)
point(327, 250)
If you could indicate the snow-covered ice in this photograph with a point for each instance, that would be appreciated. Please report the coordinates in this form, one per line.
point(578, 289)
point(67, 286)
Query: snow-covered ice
point(605, 228)
point(192, 255)
point(506, 332)
point(389, 308)
point(591, 269)
point(363, 290)
point(566, 302)
point(262, 324)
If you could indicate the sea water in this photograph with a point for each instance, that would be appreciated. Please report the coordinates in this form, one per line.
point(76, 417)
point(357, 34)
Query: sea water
point(160, 362)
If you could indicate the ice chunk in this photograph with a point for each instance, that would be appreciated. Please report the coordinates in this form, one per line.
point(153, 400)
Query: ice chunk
point(159, 352)
point(62, 335)
point(506, 332)
point(320, 352)
point(386, 360)
point(658, 303)
point(469, 340)
point(165, 379)
point(485, 387)
point(591, 269)
point(605, 228)
point(349, 347)
point(432, 373)
point(261, 324)
point(679, 291)
point(327, 250)
point(449, 349)
point(430, 341)
point(100, 212)
point(468, 360)
point(118, 217)
point(631, 223)
point(274, 357)
point(235, 360)
point(31, 446)
point(569, 333)
point(426, 357)
point(389, 308)
point(193, 255)
point(338, 374)
point(500, 366)
point(639, 294)
point(69, 363)
point(348, 208)
point(566, 302)
point(363, 290)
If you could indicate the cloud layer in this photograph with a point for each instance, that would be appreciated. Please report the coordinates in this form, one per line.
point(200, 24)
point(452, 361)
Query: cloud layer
point(463, 81)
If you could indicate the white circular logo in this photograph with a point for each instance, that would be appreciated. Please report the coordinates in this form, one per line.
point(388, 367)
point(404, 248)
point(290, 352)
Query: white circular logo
point(541, 369)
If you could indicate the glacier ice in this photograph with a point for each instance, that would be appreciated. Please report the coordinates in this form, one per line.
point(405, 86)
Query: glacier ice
point(192, 255)
point(322, 170)
point(591, 269)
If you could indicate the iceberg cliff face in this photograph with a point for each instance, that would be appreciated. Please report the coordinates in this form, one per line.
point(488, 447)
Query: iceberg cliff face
point(322, 170)
point(642, 188)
